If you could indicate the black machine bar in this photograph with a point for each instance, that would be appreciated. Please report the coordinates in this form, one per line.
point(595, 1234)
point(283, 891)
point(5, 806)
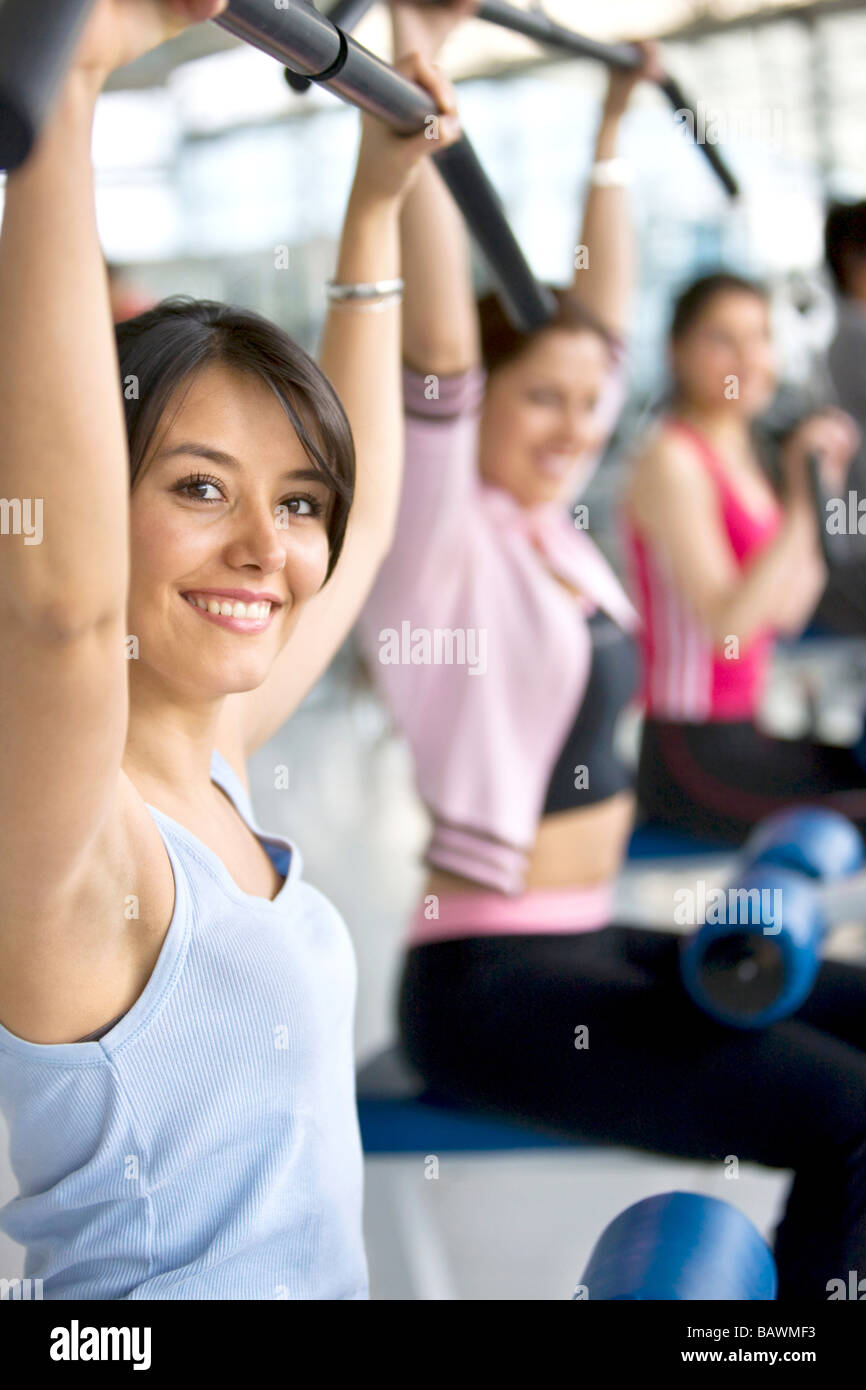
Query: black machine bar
point(535, 25)
point(344, 15)
point(680, 102)
point(305, 39)
point(37, 40)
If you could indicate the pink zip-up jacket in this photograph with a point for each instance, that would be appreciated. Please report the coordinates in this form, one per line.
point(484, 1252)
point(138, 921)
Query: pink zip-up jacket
point(480, 653)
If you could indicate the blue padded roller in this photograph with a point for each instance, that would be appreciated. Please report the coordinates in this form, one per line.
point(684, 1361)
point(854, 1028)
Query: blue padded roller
point(680, 1246)
point(756, 963)
point(809, 839)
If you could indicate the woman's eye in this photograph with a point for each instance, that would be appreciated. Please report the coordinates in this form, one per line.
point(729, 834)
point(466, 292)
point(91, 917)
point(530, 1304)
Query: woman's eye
point(544, 397)
point(196, 486)
point(201, 488)
point(304, 506)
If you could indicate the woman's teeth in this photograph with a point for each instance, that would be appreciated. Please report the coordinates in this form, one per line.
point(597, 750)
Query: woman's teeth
point(555, 465)
point(228, 608)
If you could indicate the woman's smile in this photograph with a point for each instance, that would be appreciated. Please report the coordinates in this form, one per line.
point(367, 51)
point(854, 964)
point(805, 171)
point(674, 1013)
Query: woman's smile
point(240, 610)
point(553, 465)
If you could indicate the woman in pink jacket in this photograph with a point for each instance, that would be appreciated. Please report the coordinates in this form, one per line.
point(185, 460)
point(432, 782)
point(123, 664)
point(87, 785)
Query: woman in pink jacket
point(500, 639)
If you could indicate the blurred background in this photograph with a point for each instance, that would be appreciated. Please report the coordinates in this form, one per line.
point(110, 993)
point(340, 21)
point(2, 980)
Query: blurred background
point(215, 179)
point(211, 175)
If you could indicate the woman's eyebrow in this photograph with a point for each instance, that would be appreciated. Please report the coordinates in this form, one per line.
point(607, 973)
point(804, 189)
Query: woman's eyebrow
point(219, 456)
point(200, 451)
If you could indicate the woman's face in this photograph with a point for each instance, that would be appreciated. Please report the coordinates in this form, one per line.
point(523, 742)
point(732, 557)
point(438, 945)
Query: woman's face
point(251, 530)
point(725, 361)
point(539, 419)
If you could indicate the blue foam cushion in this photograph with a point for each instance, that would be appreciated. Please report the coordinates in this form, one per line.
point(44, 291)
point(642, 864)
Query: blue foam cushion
point(681, 1246)
point(405, 1126)
point(651, 841)
point(810, 840)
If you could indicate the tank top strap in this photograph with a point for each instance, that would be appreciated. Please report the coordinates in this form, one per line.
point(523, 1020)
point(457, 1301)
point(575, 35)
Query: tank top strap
point(746, 530)
point(225, 777)
point(705, 451)
point(283, 851)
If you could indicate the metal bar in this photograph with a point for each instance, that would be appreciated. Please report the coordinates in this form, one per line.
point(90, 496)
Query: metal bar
point(536, 25)
point(345, 15)
point(528, 303)
point(36, 45)
point(308, 41)
point(300, 35)
point(680, 102)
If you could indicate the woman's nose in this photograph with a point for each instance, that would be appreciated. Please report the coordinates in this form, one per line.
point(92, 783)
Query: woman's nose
point(579, 429)
point(258, 540)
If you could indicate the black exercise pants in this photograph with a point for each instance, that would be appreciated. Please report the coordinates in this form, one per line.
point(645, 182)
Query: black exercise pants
point(717, 780)
point(490, 1022)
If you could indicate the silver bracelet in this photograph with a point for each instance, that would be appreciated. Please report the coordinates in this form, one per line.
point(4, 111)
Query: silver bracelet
point(611, 173)
point(375, 290)
point(367, 306)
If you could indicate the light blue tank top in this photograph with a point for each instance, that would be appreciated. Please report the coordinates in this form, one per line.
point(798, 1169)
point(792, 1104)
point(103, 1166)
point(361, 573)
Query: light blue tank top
point(207, 1146)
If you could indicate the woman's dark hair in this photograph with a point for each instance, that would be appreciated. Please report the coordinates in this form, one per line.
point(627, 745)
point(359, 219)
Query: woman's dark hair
point(501, 342)
point(167, 345)
point(695, 298)
point(844, 241)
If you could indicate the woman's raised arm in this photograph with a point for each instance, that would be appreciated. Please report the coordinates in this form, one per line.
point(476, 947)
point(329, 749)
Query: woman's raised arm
point(61, 414)
point(360, 355)
point(440, 321)
point(64, 478)
point(604, 259)
point(674, 505)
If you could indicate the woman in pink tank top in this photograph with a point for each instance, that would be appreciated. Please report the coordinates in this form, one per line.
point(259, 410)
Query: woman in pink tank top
point(720, 567)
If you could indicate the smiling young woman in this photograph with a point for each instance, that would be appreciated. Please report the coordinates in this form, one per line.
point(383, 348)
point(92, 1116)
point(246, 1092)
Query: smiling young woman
point(162, 960)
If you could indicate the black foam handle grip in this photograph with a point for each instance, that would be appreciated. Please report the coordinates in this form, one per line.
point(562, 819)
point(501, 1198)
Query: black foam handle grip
point(680, 102)
point(37, 40)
